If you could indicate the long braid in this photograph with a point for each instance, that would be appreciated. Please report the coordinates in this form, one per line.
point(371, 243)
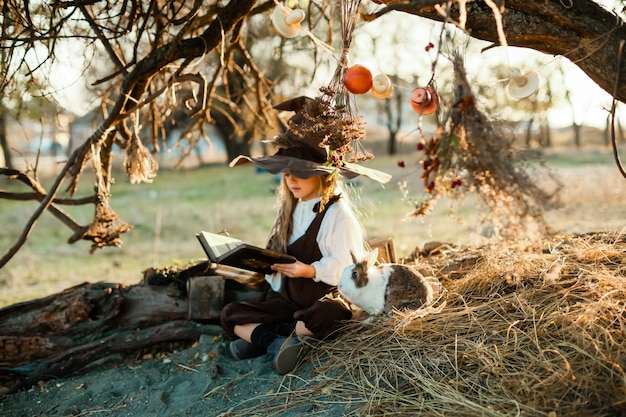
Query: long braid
point(328, 185)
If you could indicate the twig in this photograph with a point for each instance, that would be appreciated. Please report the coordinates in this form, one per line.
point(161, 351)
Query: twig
point(498, 18)
point(188, 368)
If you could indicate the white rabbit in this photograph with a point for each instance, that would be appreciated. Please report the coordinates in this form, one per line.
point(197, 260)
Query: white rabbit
point(380, 288)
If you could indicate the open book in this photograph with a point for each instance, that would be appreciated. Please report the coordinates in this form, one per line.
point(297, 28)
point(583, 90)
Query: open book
point(233, 252)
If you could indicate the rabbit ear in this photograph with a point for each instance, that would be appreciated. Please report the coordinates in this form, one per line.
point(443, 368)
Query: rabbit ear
point(371, 258)
point(354, 259)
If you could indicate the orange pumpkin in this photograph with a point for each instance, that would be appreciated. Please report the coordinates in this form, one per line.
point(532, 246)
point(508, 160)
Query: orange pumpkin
point(358, 79)
point(424, 100)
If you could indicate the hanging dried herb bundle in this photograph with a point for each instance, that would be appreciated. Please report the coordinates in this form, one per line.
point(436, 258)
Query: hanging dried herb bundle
point(330, 116)
point(338, 130)
point(469, 154)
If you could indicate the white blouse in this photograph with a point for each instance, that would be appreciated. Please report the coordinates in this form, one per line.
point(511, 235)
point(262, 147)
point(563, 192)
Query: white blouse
point(340, 233)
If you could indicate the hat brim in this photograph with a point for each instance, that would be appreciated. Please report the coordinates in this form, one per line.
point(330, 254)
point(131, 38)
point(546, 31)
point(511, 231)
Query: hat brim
point(301, 168)
point(374, 174)
point(277, 164)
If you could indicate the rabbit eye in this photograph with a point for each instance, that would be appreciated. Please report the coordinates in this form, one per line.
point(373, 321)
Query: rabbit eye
point(355, 274)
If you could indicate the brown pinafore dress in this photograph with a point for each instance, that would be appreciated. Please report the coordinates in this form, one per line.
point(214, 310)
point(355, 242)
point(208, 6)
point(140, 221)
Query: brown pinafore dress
point(301, 299)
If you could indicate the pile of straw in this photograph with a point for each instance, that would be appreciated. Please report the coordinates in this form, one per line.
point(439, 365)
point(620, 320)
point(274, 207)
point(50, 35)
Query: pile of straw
point(530, 331)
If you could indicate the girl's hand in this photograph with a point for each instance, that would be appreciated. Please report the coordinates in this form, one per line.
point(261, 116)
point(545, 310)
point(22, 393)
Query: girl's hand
point(295, 270)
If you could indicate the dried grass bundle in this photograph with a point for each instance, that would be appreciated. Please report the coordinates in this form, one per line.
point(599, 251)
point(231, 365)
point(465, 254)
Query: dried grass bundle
point(538, 331)
point(106, 227)
point(138, 162)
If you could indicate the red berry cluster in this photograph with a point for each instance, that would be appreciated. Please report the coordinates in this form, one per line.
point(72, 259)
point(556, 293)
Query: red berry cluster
point(430, 163)
point(439, 162)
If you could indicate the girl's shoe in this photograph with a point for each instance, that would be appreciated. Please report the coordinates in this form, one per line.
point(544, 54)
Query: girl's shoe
point(240, 349)
point(289, 354)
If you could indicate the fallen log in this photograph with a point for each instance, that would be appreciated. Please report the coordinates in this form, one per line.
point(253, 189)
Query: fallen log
point(87, 312)
point(66, 363)
point(58, 335)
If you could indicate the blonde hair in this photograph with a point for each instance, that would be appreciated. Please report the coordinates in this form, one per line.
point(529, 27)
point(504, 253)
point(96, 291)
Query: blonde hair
point(283, 226)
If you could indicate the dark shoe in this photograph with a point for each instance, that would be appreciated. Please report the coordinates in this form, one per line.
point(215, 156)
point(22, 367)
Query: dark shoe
point(240, 349)
point(274, 347)
point(289, 354)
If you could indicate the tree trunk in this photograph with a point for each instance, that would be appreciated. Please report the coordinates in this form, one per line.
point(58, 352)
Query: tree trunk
point(529, 133)
point(576, 129)
point(394, 118)
point(392, 150)
point(4, 142)
point(544, 133)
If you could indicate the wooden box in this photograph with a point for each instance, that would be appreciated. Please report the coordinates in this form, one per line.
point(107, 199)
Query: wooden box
point(386, 251)
point(206, 297)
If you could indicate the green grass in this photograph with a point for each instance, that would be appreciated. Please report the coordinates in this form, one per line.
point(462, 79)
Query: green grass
point(167, 213)
point(572, 157)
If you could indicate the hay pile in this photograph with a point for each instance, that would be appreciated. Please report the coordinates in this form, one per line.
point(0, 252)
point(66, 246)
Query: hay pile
point(532, 331)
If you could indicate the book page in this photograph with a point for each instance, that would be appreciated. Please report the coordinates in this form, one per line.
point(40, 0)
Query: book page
point(220, 244)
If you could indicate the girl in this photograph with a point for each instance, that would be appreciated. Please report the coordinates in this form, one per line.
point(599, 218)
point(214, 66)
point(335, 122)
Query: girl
point(316, 225)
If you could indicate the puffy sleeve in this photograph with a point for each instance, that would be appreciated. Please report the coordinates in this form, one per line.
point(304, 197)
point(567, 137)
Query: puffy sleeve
point(340, 233)
point(275, 280)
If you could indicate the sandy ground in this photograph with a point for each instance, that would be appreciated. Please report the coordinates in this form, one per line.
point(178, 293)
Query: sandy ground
point(201, 380)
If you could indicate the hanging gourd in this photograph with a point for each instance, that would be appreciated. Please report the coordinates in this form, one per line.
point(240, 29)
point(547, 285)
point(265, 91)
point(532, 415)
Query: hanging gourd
point(522, 85)
point(287, 21)
point(424, 100)
point(381, 87)
point(358, 79)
